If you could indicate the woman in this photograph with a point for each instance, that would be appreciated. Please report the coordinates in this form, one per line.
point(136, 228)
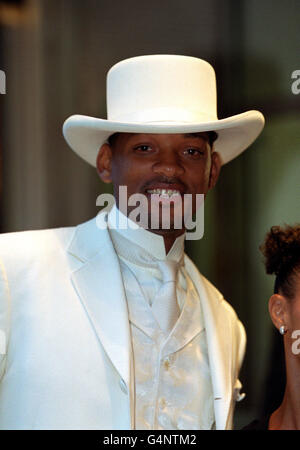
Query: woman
point(281, 250)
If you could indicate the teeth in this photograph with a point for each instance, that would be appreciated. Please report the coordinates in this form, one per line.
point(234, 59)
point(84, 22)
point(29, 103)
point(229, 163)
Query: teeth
point(164, 192)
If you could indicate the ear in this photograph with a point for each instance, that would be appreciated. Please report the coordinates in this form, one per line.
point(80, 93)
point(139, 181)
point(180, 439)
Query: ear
point(215, 169)
point(278, 309)
point(103, 163)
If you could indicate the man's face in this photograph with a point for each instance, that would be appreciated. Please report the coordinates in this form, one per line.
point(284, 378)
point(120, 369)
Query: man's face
point(149, 163)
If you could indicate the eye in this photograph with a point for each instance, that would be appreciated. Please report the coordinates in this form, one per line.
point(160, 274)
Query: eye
point(142, 148)
point(194, 153)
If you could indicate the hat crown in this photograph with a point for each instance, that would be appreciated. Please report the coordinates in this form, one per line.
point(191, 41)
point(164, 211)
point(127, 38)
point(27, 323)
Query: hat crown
point(161, 88)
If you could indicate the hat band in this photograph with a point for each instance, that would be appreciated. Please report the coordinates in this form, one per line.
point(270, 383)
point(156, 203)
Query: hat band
point(163, 115)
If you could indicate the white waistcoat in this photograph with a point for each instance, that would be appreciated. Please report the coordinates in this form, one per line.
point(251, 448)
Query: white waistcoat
point(172, 378)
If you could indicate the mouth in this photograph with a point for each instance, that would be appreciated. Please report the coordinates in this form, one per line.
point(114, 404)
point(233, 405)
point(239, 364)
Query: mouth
point(165, 193)
point(165, 190)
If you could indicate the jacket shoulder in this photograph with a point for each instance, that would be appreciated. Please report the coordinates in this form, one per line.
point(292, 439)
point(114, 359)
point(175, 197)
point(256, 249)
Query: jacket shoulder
point(33, 241)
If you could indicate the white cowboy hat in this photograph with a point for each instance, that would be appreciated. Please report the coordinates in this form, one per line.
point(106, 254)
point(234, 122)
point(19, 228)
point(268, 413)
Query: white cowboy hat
point(162, 94)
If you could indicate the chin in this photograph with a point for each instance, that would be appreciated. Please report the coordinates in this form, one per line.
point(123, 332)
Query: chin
point(157, 225)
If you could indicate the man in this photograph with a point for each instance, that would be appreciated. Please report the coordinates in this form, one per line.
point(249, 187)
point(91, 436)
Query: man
point(111, 327)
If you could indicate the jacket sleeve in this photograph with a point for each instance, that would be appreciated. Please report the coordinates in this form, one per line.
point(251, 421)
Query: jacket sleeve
point(4, 318)
point(241, 348)
point(242, 344)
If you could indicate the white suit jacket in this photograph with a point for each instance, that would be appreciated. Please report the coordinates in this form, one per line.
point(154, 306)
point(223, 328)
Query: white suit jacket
point(66, 360)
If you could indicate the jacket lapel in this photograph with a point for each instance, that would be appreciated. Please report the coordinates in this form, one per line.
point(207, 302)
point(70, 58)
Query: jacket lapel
point(98, 283)
point(219, 343)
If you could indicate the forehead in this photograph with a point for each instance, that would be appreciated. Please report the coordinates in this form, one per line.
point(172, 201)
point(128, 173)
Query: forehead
point(176, 137)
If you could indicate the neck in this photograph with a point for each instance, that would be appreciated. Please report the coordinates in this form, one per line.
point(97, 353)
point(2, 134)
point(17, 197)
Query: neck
point(169, 237)
point(287, 416)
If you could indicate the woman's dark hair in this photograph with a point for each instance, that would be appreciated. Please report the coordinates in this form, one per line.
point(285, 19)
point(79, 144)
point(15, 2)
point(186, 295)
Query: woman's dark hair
point(281, 250)
point(212, 136)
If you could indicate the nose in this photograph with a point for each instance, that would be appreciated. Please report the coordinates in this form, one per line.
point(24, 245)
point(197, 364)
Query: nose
point(168, 165)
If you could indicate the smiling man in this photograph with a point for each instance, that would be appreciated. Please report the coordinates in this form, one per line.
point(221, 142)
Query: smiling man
point(168, 169)
point(113, 327)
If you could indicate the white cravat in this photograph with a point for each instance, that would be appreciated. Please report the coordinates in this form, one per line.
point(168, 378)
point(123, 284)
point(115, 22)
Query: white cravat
point(165, 306)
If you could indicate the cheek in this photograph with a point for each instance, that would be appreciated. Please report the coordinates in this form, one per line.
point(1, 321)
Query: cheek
point(126, 172)
point(294, 329)
point(128, 165)
point(200, 179)
point(295, 314)
point(121, 170)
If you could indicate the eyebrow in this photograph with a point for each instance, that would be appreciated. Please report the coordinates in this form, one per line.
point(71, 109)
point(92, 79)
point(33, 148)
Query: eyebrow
point(194, 135)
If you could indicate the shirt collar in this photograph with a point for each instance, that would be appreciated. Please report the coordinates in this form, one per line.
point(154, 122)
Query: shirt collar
point(151, 242)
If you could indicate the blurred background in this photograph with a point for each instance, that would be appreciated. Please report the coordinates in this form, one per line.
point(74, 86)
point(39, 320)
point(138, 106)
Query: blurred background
point(55, 55)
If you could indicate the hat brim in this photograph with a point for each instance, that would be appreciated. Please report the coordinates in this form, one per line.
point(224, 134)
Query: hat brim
point(85, 134)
